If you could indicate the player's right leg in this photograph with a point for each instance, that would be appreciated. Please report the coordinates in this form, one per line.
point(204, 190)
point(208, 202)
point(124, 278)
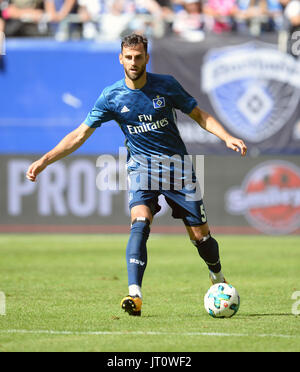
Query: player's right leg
point(136, 257)
point(143, 204)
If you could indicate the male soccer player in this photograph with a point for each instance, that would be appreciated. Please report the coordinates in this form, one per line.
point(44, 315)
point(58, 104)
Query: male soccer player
point(144, 104)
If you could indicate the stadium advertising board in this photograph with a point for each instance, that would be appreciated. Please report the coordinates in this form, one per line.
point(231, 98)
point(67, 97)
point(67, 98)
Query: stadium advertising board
point(241, 195)
point(269, 197)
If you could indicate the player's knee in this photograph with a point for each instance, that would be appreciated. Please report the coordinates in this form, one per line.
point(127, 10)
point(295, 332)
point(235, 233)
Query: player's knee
point(197, 233)
point(200, 240)
point(141, 225)
point(141, 211)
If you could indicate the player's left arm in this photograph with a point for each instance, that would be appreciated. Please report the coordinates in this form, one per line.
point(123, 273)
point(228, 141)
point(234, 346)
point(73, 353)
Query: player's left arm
point(209, 123)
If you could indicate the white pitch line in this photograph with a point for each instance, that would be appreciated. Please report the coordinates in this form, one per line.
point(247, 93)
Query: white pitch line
point(146, 333)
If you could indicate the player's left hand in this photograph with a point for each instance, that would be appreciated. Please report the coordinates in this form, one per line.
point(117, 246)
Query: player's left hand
point(237, 145)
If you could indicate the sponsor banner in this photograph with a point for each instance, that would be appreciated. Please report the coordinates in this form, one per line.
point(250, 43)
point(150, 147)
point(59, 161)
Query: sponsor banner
point(83, 194)
point(75, 191)
point(268, 197)
point(249, 85)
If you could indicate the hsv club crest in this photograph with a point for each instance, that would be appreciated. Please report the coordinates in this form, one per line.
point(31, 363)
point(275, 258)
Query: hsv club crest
point(253, 88)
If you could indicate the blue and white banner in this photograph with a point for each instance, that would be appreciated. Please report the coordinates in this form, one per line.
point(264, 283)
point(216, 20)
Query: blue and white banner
point(249, 85)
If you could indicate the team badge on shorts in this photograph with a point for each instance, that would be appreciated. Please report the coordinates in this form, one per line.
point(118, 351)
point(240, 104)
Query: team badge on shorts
point(159, 102)
point(253, 88)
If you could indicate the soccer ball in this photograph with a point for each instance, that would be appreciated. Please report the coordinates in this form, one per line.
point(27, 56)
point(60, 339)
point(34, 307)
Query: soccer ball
point(222, 301)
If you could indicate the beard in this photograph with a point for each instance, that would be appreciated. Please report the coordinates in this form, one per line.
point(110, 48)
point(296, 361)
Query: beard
point(135, 75)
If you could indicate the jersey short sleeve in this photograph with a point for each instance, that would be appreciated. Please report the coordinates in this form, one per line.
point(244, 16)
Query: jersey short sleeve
point(181, 99)
point(100, 113)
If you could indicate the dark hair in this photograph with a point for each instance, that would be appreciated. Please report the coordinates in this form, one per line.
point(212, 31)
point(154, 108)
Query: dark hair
point(133, 40)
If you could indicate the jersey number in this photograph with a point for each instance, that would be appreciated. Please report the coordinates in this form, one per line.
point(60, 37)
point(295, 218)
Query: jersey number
point(203, 214)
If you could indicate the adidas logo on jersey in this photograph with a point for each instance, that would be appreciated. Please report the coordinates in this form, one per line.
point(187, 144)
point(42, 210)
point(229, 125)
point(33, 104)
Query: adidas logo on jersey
point(125, 109)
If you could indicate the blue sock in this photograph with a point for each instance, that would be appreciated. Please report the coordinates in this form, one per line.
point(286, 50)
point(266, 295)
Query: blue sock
point(136, 251)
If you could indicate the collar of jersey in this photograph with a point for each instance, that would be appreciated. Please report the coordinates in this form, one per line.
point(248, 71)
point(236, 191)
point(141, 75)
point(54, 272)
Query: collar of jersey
point(136, 90)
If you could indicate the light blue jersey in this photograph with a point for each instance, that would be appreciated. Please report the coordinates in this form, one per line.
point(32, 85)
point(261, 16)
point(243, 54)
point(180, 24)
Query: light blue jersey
point(146, 116)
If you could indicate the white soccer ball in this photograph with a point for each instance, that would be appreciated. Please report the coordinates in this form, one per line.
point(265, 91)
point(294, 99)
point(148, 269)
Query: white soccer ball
point(222, 301)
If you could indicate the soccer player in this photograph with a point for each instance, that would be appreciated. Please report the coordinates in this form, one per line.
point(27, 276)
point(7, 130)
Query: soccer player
point(144, 104)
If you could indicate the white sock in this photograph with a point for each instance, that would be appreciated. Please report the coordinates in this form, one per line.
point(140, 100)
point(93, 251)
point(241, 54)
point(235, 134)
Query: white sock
point(135, 290)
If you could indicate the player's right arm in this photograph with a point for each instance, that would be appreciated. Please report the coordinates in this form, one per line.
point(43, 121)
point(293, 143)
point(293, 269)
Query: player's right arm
point(66, 146)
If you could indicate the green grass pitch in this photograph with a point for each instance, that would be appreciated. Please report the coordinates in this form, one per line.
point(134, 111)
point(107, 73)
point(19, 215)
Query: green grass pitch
point(63, 293)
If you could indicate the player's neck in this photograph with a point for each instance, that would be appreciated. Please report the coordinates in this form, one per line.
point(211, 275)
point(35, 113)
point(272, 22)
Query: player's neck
point(136, 84)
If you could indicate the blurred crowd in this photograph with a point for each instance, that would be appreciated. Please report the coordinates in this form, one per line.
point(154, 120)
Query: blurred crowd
point(110, 19)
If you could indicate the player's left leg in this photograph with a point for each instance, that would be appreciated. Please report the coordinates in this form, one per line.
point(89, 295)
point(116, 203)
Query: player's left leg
point(208, 250)
point(193, 214)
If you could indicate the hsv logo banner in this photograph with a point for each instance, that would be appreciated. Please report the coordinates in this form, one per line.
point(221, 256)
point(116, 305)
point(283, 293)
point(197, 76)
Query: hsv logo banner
point(254, 88)
point(250, 86)
point(269, 197)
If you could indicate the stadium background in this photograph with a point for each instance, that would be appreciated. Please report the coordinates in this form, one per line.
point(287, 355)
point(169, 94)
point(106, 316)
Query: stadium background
point(48, 87)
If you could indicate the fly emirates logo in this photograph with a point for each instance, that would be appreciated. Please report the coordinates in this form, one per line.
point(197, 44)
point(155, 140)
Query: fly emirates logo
point(147, 124)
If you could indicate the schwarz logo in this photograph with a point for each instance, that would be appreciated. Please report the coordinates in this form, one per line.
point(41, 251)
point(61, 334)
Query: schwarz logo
point(159, 102)
point(2, 44)
point(253, 88)
point(269, 197)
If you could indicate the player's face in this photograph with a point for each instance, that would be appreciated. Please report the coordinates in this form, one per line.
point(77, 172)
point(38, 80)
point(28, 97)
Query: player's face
point(134, 60)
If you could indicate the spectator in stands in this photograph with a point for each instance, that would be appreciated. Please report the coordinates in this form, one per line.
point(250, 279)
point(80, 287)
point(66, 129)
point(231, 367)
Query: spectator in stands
point(105, 19)
point(255, 16)
point(166, 8)
point(222, 13)
point(2, 23)
point(23, 16)
point(292, 14)
point(89, 11)
point(2, 37)
point(248, 9)
point(27, 10)
point(275, 14)
point(292, 25)
point(149, 27)
point(188, 21)
point(168, 14)
point(113, 18)
point(58, 10)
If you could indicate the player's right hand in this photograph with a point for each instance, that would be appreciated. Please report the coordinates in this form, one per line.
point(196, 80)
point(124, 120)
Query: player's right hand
point(35, 169)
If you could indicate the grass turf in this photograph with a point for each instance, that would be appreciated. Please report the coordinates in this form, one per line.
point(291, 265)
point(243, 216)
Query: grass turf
point(72, 286)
